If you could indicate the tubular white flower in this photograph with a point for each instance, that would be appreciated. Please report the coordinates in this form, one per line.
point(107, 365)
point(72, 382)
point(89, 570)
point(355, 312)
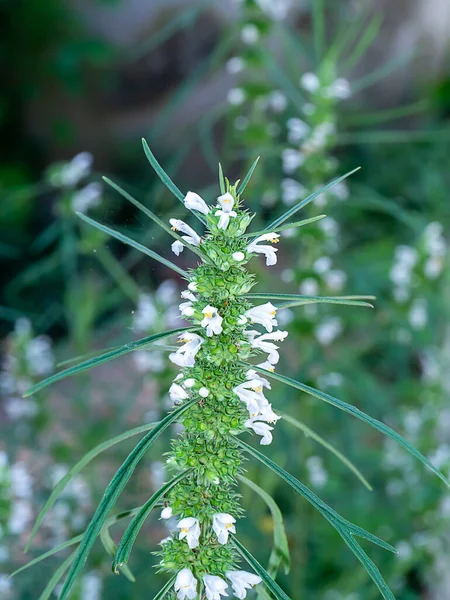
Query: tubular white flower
point(252, 374)
point(268, 251)
point(214, 587)
point(267, 415)
point(188, 295)
point(261, 343)
point(204, 392)
point(267, 366)
point(177, 394)
point(185, 355)
point(166, 512)
point(186, 309)
point(226, 202)
point(264, 315)
point(190, 529)
point(189, 382)
point(238, 256)
point(223, 525)
point(242, 581)
point(242, 320)
point(251, 395)
point(193, 201)
point(177, 247)
point(212, 321)
point(178, 225)
point(261, 429)
point(186, 585)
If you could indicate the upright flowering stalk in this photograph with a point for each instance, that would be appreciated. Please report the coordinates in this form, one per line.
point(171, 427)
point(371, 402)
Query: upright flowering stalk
point(227, 356)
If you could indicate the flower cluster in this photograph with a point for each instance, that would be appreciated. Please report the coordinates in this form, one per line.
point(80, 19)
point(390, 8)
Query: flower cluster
point(226, 330)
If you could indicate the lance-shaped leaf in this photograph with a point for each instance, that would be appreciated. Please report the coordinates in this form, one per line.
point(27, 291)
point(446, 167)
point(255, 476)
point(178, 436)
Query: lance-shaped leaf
point(280, 552)
point(221, 180)
point(267, 580)
point(165, 590)
point(313, 435)
point(288, 226)
point(291, 300)
point(78, 467)
point(123, 552)
point(98, 360)
point(352, 410)
point(112, 493)
point(329, 513)
point(289, 213)
point(38, 559)
point(155, 218)
point(126, 240)
point(247, 178)
point(345, 528)
point(55, 578)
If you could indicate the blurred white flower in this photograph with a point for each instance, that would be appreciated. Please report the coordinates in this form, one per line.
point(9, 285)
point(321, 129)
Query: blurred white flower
point(250, 34)
point(310, 82)
point(418, 314)
point(328, 330)
point(235, 65)
point(236, 96)
point(292, 160)
point(88, 197)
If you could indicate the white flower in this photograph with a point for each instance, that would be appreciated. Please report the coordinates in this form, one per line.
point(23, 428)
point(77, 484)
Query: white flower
point(322, 265)
point(297, 130)
point(190, 529)
point(204, 392)
point(177, 247)
point(250, 34)
point(189, 382)
point(223, 525)
point(236, 96)
point(191, 236)
point(310, 82)
point(292, 160)
point(193, 201)
point(146, 314)
point(340, 89)
point(212, 321)
point(186, 309)
point(177, 394)
point(78, 168)
point(291, 191)
point(214, 587)
point(278, 101)
point(86, 198)
point(261, 429)
point(226, 201)
point(242, 581)
point(235, 65)
point(317, 474)
point(261, 342)
point(268, 251)
point(309, 287)
point(253, 375)
point(250, 392)
point(242, 320)
point(328, 330)
point(418, 314)
point(267, 366)
point(186, 585)
point(166, 512)
point(238, 256)
point(185, 355)
point(335, 279)
point(264, 315)
point(188, 295)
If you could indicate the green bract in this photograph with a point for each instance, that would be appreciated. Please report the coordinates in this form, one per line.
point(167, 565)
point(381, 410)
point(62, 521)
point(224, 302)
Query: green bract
point(218, 396)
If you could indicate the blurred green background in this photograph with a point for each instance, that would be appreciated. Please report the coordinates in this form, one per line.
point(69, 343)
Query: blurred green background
point(316, 89)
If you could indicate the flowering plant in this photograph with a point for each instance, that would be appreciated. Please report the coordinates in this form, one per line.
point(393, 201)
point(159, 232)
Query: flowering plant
point(218, 396)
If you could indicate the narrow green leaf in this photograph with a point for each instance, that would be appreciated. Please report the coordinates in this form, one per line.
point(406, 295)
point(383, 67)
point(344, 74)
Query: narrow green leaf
point(352, 410)
point(318, 19)
point(368, 564)
point(280, 553)
point(288, 226)
point(221, 180)
point(98, 360)
point(54, 580)
point(312, 434)
point(166, 589)
point(299, 300)
point(126, 240)
point(365, 41)
point(289, 213)
point(154, 217)
point(326, 511)
point(161, 173)
point(384, 71)
point(112, 493)
point(122, 555)
point(247, 178)
point(110, 548)
point(270, 584)
point(38, 559)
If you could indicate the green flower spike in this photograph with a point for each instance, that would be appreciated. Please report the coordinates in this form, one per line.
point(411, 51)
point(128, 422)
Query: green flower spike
point(219, 397)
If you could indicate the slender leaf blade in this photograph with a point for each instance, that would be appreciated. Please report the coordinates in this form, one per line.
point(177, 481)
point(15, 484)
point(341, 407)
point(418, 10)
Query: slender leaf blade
point(54, 580)
point(221, 180)
point(165, 590)
point(291, 300)
point(289, 213)
point(98, 360)
point(161, 173)
point(129, 242)
point(271, 585)
point(247, 178)
point(112, 493)
point(122, 555)
point(312, 434)
point(288, 226)
point(352, 410)
point(280, 553)
point(41, 557)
